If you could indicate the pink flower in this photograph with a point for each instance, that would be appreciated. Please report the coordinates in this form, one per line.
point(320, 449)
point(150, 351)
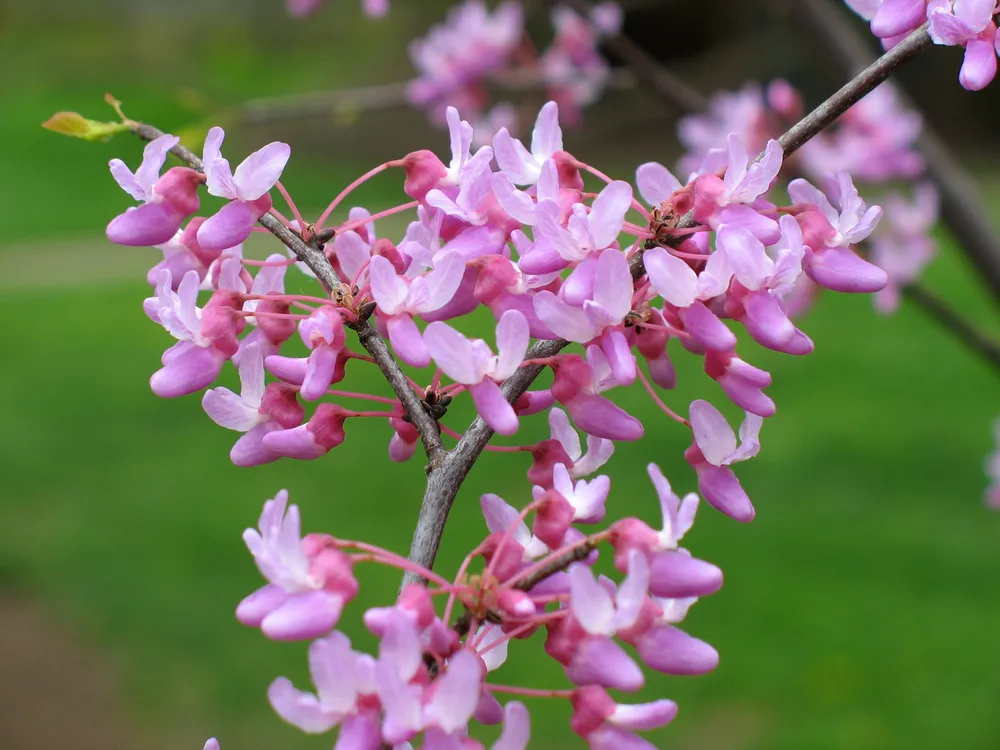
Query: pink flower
point(309, 580)
point(578, 384)
point(474, 365)
point(167, 200)
point(343, 680)
point(903, 245)
point(194, 361)
point(968, 23)
point(246, 189)
point(829, 232)
point(400, 298)
point(513, 158)
point(246, 413)
point(599, 450)
point(607, 725)
point(714, 450)
point(587, 232)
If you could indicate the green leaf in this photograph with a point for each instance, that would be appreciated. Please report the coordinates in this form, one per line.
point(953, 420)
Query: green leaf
point(78, 126)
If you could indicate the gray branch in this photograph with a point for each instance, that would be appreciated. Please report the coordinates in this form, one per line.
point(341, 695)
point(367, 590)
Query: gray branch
point(320, 265)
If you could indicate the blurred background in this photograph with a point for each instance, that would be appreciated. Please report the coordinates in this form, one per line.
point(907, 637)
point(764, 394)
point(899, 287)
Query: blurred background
point(861, 608)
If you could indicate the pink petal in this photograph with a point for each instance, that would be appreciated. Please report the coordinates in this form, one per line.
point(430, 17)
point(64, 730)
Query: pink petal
point(766, 321)
point(254, 608)
point(230, 226)
point(979, 66)
point(546, 136)
point(303, 616)
point(746, 255)
point(516, 728)
point(302, 710)
point(632, 594)
point(607, 214)
point(672, 651)
point(613, 283)
point(656, 183)
point(675, 574)
point(299, 442)
point(228, 410)
point(322, 364)
point(842, 270)
point(643, 716)
point(495, 410)
point(601, 661)
point(407, 342)
point(897, 17)
point(566, 321)
point(513, 158)
point(388, 288)
point(331, 664)
point(190, 369)
point(722, 490)
point(706, 328)
point(453, 353)
point(153, 157)
point(457, 693)
point(597, 416)
point(146, 225)
point(671, 277)
point(590, 603)
point(259, 171)
point(513, 338)
point(515, 202)
point(712, 433)
point(249, 450)
point(360, 731)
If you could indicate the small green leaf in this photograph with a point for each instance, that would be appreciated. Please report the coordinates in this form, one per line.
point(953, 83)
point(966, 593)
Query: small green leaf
point(78, 126)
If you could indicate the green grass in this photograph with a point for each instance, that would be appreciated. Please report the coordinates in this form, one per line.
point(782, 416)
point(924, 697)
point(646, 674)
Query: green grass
point(859, 608)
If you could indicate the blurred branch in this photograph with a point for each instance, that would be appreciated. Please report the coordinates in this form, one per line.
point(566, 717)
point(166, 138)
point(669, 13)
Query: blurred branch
point(443, 485)
point(972, 337)
point(319, 264)
point(380, 97)
point(838, 42)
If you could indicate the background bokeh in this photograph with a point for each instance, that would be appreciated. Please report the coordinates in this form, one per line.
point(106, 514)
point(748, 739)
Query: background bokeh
point(860, 610)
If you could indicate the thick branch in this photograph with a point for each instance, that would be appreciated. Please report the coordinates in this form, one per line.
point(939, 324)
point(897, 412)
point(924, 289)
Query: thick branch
point(319, 264)
point(443, 485)
point(962, 210)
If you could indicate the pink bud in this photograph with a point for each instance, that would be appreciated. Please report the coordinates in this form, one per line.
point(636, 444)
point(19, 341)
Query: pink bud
point(423, 172)
point(511, 555)
point(280, 402)
point(553, 517)
point(545, 455)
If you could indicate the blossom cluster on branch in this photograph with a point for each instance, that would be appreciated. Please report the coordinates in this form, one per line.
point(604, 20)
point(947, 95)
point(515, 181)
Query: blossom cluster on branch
point(514, 228)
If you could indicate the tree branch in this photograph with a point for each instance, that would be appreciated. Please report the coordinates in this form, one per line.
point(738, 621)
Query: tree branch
point(962, 210)
point(320, 265)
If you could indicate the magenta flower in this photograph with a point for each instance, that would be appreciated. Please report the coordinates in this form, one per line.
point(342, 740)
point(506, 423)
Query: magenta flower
point(500, 518)
point(607, 725)
point(246, 189)
point(829, 232)
point(586, 231)
point(474, 365)
point(967, 23)
point(599, 450)
point(713, 452)
point(400, 298)
point(309, 580)
point(194, 361)
point(345, 691)
point(586, 498)
point(243, 413)
point(167, 200)
point(524, 167)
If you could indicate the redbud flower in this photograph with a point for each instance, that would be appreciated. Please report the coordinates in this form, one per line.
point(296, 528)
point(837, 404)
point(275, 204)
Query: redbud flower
point(194, 361)
point(607, 725)
point(522, 167)
point(968, 23)
point(587, 232)
point(309, 582)
point(474, 365)
point(212, 744)
point(246, 189)
point(599, 450)
point(399, 298)
point(902, 246)
point(167, 200)
point(714, 450)
point(828, 232)
point(500, 517)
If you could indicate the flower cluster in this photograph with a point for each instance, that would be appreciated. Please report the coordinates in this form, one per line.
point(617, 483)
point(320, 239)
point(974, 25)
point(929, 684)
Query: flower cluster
point(474, 49)
point(516, 229)
point(956, 23)
point(434, 673)
point(874, 142)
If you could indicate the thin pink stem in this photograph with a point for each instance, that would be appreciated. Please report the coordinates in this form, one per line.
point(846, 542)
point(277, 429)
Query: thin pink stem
point(291, 205)
point(509, 534)
point(446, 618)
point(265, 314)
point(381, 414)
point(348, 190)
point(529, 692)
point(277, 214)
point(601, 176)
point(657, 400)
point(269, 263)
point(289, 298)
point(380, 215)
point(363, 396)
point(395, 562)
point(423, 572)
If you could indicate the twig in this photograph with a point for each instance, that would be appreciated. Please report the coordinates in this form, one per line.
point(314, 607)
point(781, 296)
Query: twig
point(443, 485)
point(969, 335)
point(320, 265)
point(838, 42)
